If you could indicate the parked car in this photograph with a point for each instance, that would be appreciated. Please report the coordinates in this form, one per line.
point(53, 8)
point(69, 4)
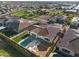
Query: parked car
point(54, 54)
point(65, 52)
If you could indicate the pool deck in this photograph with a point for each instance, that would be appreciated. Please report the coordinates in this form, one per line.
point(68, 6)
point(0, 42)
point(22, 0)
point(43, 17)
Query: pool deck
point(39, 49)
point(36, 46)
point(22, 40)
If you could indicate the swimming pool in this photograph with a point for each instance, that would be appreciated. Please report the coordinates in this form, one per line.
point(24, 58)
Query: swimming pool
point(26, 41)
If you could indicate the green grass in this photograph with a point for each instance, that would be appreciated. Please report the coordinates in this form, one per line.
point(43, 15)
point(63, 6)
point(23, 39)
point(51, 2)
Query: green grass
point(8, 51)
point(19, 38)
point(60, 12)
point(25, 14)
point(19, 13)
point(4, 53)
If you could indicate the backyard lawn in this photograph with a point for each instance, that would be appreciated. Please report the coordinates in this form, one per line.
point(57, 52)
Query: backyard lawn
point(19, 38)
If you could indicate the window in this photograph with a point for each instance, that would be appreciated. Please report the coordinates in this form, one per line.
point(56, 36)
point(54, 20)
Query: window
point(0, 24)
point(33, 35)
point(66, 51)
point(47, 39)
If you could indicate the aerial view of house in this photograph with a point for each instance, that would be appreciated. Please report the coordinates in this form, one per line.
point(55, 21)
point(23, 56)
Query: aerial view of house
point(39, 29)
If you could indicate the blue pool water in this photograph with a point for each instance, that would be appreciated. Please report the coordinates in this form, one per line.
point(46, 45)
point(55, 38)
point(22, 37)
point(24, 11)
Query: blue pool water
point(26, 41)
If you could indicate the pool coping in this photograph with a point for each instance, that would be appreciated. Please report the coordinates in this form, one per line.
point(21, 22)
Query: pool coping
point(22, 40)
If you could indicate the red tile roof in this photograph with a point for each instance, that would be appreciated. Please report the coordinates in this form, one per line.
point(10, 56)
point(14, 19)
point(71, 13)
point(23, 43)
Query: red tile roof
point(41, 31)
point(69, 35)
point(23, 24)
point(2, 17)
point(74, 45)
point(47, 31)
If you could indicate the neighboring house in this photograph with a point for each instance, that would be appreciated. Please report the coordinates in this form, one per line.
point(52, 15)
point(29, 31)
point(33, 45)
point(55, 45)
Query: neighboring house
point(2, 28)
point(17, 25)
point(74, 45)
point(75, 23)
point(24, 24)
point(71, 11)
point(44, 18)
point(66, 7)
point(58, 19)
point(12, 24)
point(75, 19)
point(2, 20)
point(45, 10)
point(76, 8)
point(71, 34)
